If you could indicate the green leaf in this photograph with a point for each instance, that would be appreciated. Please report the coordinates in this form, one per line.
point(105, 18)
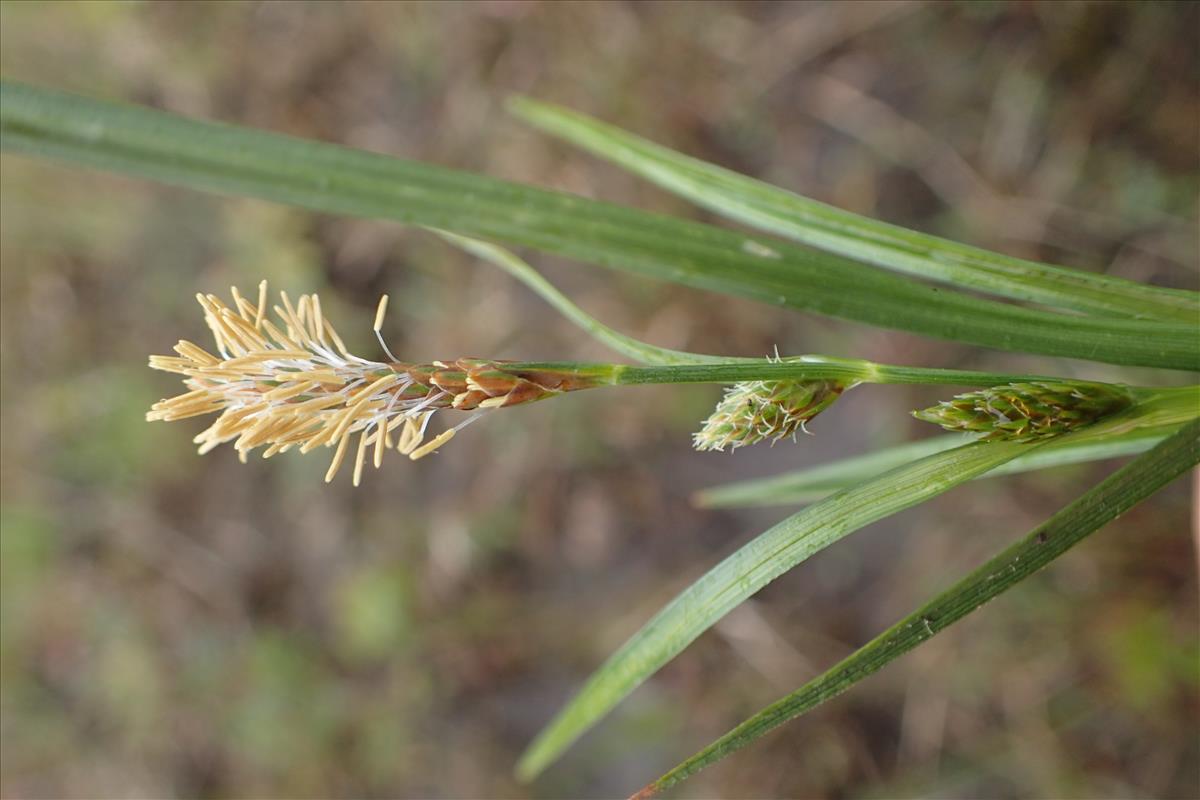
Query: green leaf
point(749, 569)
point(702, 368)
point(823, 226)
point(805, 486)
point(1111, 498)
point(324, 177)
point(625, 345)
point(1154, 418)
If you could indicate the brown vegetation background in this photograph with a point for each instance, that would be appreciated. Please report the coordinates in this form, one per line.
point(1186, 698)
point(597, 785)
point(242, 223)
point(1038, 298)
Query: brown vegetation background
point(182, 626)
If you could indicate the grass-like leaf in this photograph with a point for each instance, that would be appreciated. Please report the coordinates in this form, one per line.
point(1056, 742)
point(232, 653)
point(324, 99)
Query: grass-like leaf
point(324, 177)
point(809, 485)
point(1136, 431)
point(625, 345)
point(709, 368)
point(820, 225)
point(749, 569)
point(668, 366)
point(1111, 498)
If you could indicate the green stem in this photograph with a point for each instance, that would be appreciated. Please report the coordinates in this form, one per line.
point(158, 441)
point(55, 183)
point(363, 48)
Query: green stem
point(809, 367)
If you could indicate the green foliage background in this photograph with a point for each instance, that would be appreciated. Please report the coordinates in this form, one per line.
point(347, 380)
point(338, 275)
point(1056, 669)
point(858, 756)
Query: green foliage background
point(176, 625)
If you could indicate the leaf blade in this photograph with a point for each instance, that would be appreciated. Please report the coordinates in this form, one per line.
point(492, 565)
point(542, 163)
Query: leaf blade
point(746, 571)
point(806, 486)
point(1153, 419)
point(627, 346)
point(829, 228)
point(1111, 498)
point(323, 177)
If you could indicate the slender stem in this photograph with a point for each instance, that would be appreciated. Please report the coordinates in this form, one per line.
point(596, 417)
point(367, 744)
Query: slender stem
point(810, 367)
point(815, 368)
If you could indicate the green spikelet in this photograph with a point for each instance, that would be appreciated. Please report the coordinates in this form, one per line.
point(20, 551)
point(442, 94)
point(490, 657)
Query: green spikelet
point(1029, 410)
point(754, 411)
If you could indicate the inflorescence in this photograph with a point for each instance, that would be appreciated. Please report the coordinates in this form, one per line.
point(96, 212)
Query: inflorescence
point(1023, 411)
point(755, 411)
point(296, 385)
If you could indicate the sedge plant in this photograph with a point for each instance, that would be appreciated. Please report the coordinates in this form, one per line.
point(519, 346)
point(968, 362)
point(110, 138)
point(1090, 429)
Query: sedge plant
point(282, 380)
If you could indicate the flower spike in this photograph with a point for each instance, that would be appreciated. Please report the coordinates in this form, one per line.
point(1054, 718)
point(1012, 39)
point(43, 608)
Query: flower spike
point(1032, 410)
point(286, 386)
point(755, 411)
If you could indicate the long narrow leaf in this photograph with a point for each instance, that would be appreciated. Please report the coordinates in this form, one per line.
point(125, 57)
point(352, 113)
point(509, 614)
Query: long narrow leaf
point(625, 345)
point(677, 366)
point(749, 569)
point(809, 485)
point(1154, 417)
point(1113, 497)
point(324, 177)
point(892, 247)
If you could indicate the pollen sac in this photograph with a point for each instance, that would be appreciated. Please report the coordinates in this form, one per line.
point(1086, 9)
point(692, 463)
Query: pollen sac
point(756, 411)
point(1027, 411)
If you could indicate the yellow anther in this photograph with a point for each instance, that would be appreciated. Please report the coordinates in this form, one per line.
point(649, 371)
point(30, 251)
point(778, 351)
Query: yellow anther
point(379, 312)
point(358, 459)
point(432, 444)
point(338, 455)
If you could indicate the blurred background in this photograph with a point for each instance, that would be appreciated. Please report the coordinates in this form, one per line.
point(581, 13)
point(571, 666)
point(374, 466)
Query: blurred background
point(175, 625)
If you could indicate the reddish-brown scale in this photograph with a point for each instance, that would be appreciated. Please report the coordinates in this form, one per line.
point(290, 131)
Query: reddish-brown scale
point(526, 392)
point(645, 793)
point(557, 381)
point(419, 373)
point(822, 402)
point(492, 381)
point(468, 400)
point(452, 381)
